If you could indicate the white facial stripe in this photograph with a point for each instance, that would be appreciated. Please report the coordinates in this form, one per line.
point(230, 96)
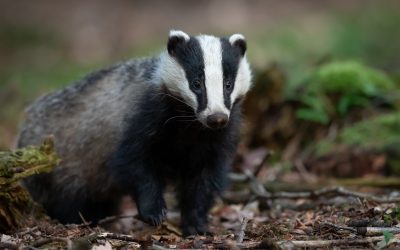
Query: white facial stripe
point(174, 77)
point(212, 54)
point(243, 80)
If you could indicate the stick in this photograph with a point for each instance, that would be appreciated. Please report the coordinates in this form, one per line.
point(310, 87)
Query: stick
point(328, 243)
point(258, 168)
point(243, 226)
point(116, 217)
point(255, 185)
point(337, 227)
point(45, 241)
point(123, 237)
point(326, 191)
point(304, 173)
point(371, 231)
point(86, 242)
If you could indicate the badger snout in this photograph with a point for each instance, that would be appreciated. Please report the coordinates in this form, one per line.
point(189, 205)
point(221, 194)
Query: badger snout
point(217, 120)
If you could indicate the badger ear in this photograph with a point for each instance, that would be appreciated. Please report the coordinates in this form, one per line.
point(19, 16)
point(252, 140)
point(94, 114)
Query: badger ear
point(176, 37)
point(238, 41)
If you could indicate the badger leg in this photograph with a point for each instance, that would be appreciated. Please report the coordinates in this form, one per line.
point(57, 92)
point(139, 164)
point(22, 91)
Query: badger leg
point(196, 197)
point(147, 193)
point(145, 187)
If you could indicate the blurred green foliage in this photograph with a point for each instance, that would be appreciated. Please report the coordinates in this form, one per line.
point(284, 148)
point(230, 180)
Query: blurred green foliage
point(336, 87)
point(377, 133)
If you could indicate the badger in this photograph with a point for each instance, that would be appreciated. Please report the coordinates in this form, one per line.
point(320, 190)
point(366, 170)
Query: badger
point(136, 126)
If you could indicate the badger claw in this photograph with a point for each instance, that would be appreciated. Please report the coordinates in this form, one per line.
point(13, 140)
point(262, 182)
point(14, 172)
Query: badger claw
point(154, 215)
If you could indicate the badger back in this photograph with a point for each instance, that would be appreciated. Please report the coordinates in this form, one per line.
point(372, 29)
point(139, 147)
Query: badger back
point(87, 119)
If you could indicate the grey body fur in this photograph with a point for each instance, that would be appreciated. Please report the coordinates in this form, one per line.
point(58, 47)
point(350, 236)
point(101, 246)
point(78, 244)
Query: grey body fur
point(84, 140)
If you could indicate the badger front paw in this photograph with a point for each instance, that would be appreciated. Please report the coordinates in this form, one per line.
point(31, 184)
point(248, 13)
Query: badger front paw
point(152, 212)
point(195, 225)
point(188, 230)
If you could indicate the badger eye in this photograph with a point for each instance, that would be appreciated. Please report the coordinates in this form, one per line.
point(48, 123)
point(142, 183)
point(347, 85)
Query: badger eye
point(228, 84)
point(196, 84)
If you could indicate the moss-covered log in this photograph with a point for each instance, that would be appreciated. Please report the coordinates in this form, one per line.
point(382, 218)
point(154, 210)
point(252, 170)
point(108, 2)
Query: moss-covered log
point(15, 203)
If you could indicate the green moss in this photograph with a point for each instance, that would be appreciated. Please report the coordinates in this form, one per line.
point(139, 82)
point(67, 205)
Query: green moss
point(24, 162)
point(337, 87)
point(378, 132)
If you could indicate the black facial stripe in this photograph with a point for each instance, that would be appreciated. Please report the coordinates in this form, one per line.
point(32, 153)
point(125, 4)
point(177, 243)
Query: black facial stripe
point(190, 57)
point(230, 63)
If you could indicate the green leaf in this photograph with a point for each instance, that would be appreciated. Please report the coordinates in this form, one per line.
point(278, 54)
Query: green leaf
point(313, 115)
point(387, 236)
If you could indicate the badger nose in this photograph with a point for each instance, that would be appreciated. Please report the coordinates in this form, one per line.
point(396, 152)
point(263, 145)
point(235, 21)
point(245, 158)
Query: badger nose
point(217, 120)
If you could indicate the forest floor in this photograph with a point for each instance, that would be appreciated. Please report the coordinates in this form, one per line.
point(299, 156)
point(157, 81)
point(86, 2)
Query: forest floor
point(248, 219)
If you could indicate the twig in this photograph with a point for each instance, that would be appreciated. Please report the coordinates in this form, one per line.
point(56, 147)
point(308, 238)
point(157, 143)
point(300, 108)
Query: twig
point(303, 172)
point(123, 237)
point(372, 231)
point(243, 226)
point(27, 231)
point(258, 168)
point(85, 222)
point(328, 243)
point(45, 241)
point(87, 241)
point(328, 191)
point(114, 218)
point(338, 227)
point(255, 185)
point(229, 244)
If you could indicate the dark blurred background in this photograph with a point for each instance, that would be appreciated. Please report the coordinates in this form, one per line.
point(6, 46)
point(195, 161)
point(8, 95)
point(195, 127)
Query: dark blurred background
point(321, 68)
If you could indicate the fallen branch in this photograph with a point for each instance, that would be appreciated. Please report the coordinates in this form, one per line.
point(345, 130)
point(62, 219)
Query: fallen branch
point(338, 191)
point(327, 243)
point(372, 231)
point(243, 226)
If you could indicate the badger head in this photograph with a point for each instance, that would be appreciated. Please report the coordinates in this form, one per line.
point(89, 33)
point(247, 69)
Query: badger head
point(208, 73)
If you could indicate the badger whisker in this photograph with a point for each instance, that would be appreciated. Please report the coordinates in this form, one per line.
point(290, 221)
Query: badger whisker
point(178, 116)
point(179, 100)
